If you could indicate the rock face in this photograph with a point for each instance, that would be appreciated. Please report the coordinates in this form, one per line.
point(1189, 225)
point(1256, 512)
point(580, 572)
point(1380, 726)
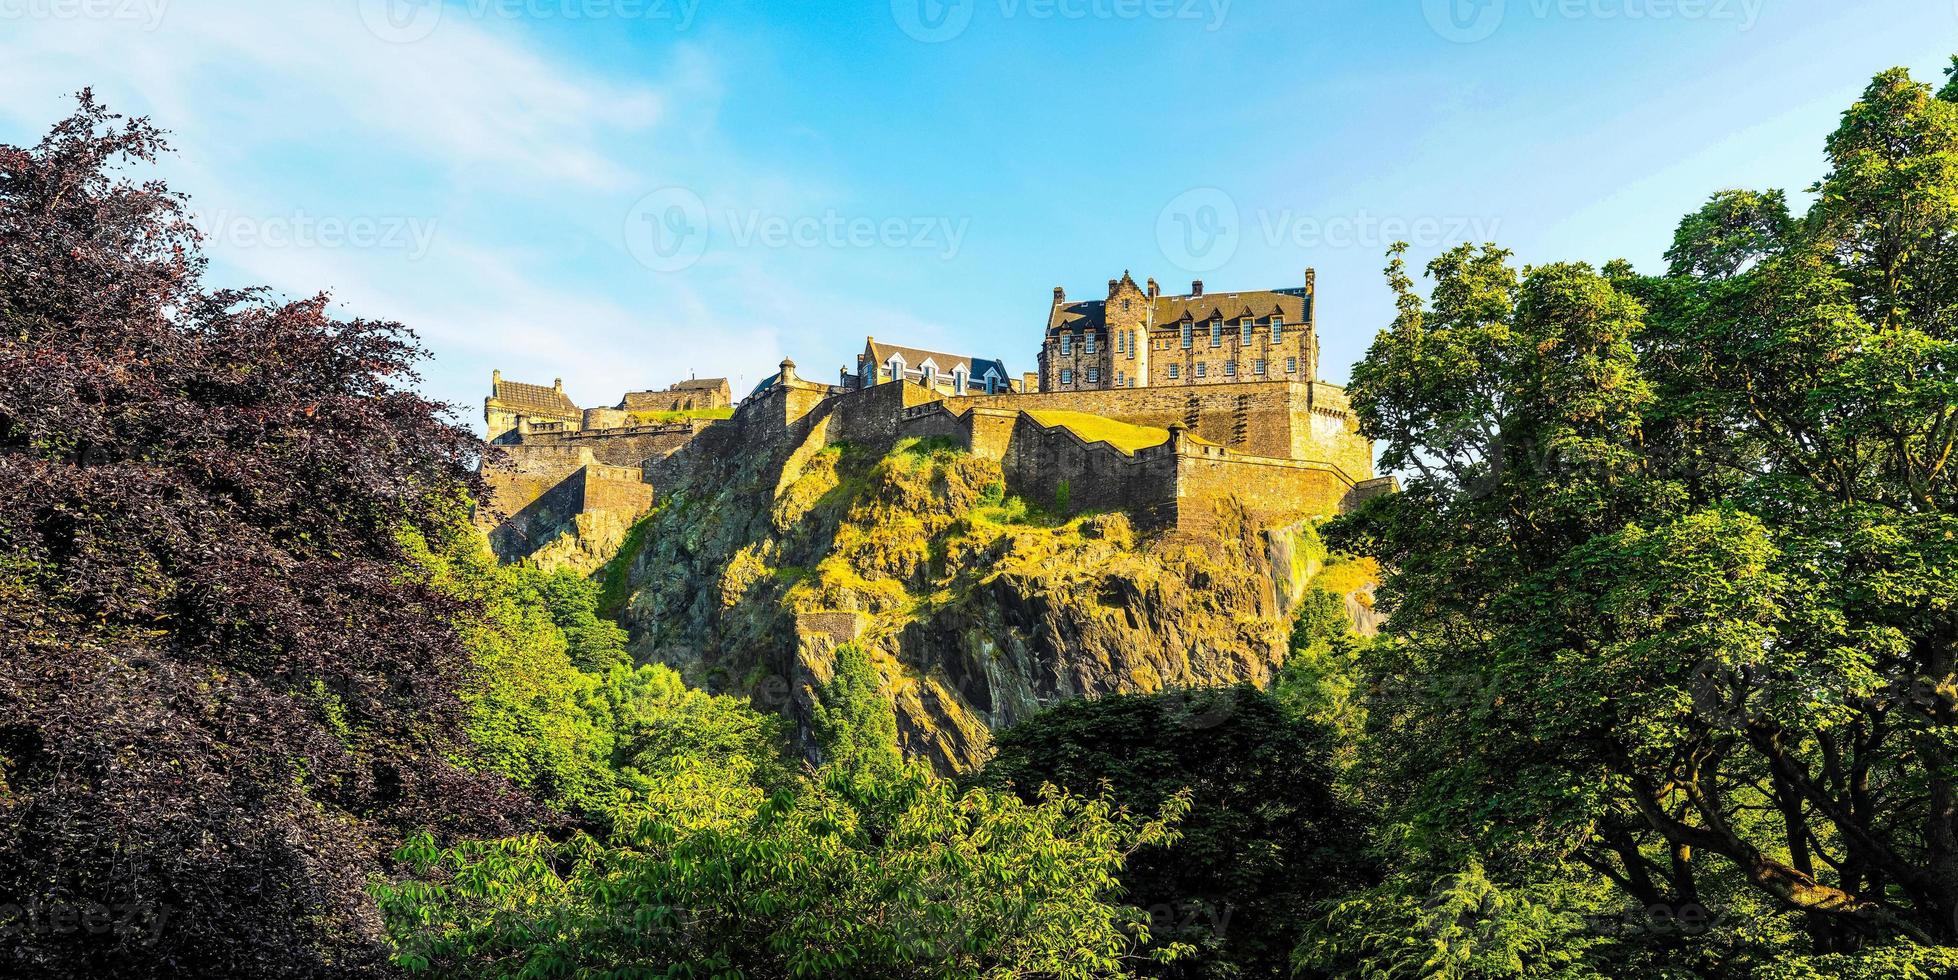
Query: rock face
point(979, 610)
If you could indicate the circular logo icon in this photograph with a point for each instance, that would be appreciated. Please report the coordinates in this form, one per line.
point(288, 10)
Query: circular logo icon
point(667, 229)
point(1464, 21)
point(401, 21)
point(1199, 230)
point(932, 21)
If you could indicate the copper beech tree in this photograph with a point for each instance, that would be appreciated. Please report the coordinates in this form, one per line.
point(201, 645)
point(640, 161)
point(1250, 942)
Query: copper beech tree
point(220, 698)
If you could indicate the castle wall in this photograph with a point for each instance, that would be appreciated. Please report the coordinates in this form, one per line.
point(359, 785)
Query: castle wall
point(629, 446)
point(1041, 460)
point(1272, 491)
point(1252, 418)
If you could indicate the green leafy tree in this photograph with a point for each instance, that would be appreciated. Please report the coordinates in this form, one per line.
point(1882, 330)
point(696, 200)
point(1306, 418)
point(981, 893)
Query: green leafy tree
point(1266, 838)
point(1695, 539)
point(852, 719)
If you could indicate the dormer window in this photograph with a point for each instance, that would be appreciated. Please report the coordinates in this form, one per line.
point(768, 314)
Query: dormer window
point(1188, 331)
point(1277, 329)
point(1088, 343)
point(1217, 332)
point(1067, 343)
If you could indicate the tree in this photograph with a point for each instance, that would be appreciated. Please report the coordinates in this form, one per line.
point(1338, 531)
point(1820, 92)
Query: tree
point(1266, 838)
point(1696, 538)
point(881, 872)
point(220, 695)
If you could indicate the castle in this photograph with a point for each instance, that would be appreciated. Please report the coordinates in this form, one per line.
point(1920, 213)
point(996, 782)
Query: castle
point(1173, 409)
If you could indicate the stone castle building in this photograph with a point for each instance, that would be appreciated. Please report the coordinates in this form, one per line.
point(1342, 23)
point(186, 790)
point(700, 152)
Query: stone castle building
point(1139, 337)
point(1226, 385)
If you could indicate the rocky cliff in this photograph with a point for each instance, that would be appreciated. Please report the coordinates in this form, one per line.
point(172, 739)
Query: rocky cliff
point(979, 609)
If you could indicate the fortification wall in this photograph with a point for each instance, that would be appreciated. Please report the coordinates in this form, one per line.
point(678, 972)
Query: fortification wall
point(619, 488)
point(1045, 465)
point(628, 446)
point(1254, 417)
point(1273, 492)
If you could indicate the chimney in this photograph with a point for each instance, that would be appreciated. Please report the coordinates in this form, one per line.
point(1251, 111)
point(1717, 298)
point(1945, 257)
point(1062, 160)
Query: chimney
point(496, 375)
point(1196, 288)
point(1112, 283)
point(1153, 290)
point(1311, 280)
point(557, 385)
point(1060, 295)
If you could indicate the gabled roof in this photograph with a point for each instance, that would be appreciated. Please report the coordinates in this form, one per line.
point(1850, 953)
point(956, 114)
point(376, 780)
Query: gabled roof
point(975, 367)
point(712, 384)
point(1292, 304)
point(544, 399)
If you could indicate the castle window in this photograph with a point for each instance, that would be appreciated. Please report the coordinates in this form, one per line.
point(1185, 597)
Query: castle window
point(1203, 369)
point(1216, 333)
point(1246, 325)
point(1277, 329)
point(1118, 342)
point(1230, 369)
point(1188, 339)
point(1259, 367)
point(1133, 337)
point(1067, 376)
point(1121, 380)
point(1094, 375)
point(1088, 342)
point(1291, 365)
point(1067, 344)
point(1172, 372)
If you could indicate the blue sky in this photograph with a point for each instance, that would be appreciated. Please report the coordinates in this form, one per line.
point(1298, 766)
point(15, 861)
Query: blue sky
point(621, 192)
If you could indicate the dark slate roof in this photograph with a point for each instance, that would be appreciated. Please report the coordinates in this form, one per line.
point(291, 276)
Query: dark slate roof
point(712, 384)
point(535, 398)
point(975, 367)
point(1292, 304)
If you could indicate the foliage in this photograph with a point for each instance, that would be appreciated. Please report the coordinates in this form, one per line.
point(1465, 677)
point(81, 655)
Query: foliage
point(1266, 836)
point(219, 696)
point(1693, 542)
point(852, 719)
point(554, 703)
point(883, 873)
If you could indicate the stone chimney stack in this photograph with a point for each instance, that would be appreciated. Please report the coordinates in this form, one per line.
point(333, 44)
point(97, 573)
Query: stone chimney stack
point(1060, 295)
point(557, 385)
point(496, 375)
point(1153, 290)
point(1311, 281)
point(1196, 288)
point(1112, 283)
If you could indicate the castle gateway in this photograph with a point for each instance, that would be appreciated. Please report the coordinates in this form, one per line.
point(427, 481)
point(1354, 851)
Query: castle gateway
point(1140, 338)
